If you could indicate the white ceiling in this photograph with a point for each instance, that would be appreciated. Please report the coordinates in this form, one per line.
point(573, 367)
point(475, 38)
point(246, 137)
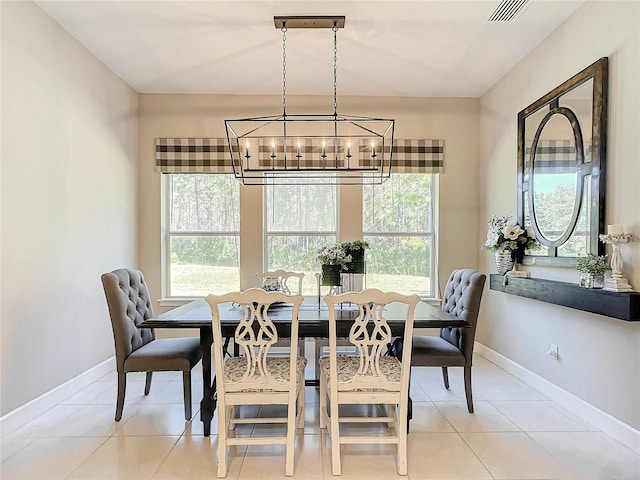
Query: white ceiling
point(424, 48)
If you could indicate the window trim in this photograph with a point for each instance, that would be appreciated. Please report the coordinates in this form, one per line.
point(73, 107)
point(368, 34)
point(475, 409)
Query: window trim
point(434, 295)
point(167, 234)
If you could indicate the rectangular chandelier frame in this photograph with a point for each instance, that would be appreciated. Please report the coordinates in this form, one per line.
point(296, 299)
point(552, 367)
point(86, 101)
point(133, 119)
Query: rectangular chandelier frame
point(340, 149)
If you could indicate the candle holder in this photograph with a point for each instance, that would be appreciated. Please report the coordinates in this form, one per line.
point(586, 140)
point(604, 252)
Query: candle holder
point(617, 282)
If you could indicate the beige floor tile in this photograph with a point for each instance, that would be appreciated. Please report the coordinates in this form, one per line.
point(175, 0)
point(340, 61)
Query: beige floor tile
point(590, 455)
point(514, 455)
point(49, 458)
point(361, 462)
point(90, 393)
point(155, 419)
point(194, 458)
point(72, 420)
point(134, 393)
point(125, 458)
point(430, 381)
point(504, 388)
point(10, 445)
point(267, 462)
point(443, 456)
point(427, 418)
point(172, 393)
point(537, 416)
point(486, 418)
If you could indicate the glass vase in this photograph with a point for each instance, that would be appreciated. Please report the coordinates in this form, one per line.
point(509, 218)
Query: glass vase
point(591, 280)
point(504, 261)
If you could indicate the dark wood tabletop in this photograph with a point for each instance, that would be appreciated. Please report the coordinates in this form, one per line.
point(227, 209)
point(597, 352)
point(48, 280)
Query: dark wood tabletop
point(313, 321)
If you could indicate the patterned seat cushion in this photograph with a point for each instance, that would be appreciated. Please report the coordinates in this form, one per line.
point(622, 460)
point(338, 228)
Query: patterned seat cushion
point(349, 380)
point(277, 368)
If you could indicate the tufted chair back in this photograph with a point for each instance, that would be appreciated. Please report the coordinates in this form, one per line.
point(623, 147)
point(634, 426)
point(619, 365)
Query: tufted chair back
point(129, 304)
point(461, 298)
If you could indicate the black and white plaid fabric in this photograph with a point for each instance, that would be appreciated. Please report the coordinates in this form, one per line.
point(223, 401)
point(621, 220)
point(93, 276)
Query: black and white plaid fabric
point(556, 156)
point(193, 155)
point(211, 155)
point(418, 156)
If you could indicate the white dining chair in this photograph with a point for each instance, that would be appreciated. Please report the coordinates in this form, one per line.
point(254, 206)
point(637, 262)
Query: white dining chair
point(289, 283)
point(369, 377)
point(255, 377)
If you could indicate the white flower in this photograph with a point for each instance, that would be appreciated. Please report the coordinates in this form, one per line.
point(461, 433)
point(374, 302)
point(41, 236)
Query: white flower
point(512, 232)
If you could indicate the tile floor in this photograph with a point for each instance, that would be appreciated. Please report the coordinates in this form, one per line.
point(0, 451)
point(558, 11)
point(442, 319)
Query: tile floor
point(516, 433)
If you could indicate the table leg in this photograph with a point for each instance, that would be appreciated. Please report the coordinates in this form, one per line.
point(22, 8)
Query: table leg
point(207, 405)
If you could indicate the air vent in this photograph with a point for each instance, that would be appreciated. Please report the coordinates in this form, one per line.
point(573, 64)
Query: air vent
point(508, 10)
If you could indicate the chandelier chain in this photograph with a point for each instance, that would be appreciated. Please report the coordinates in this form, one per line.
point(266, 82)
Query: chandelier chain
point(284, 69)
point(335, 69)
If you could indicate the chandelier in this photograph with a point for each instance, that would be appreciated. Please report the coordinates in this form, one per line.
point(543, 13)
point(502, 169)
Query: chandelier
point(330, 148)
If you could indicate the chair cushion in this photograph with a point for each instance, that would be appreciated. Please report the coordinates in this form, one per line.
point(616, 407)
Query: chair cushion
point(348, 366)
point(165, 354)
point(435, 352)
point(277, 367)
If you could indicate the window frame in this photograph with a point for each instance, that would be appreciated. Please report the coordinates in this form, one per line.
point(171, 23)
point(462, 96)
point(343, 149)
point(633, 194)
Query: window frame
point(432, 236)
point(168, 234)
point(309, 233)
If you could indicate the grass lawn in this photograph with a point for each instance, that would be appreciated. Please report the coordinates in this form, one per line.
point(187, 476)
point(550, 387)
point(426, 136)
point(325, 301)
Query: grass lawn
point(199, 280)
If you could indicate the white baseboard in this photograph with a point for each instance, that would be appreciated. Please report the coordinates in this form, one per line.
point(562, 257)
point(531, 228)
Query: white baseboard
point(30, 410)
point(623, 433)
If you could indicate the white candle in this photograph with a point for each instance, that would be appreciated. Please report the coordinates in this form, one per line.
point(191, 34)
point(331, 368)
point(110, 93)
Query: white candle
point(273, 148)
point(349, 148)
point(323, 150)
point(248, 150)
point(615, 229)
point(298, 152)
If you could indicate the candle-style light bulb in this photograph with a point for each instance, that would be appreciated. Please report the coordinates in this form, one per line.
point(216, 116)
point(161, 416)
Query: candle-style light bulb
point(323, 147)
point(298, 151)
point(247, 150)
point(348, 149)
point(273, 148)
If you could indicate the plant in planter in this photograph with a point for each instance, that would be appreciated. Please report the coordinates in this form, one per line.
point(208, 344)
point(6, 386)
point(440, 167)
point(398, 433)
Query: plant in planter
point(333, 260)
point(356, 250)
point(508, 241)
point(592, 268)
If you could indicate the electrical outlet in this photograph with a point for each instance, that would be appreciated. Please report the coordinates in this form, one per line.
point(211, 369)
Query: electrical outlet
point(553, 351)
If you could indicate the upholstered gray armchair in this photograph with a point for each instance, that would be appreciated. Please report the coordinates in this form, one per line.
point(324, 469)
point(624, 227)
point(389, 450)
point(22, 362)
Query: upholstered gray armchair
point(137, 349)
point(454, 346)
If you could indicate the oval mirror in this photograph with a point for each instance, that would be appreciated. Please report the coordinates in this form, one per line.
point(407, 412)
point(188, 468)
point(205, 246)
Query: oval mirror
point(556, 191)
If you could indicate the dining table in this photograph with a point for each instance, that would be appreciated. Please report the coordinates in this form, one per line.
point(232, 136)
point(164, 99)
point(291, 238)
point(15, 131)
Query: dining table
point(313, 322)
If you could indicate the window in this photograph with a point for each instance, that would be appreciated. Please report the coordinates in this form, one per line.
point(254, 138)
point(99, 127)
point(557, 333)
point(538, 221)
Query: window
point(202, 234)
point(397, 221)
point(299, 219)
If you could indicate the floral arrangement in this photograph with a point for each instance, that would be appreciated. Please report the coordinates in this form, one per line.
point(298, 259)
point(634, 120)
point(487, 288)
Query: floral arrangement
point(593, 264)
point(505, 235)
point(333, 255)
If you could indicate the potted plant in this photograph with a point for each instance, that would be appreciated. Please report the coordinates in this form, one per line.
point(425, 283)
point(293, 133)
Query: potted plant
point(356, 250)
point(592, 268)
point(333, 260)
point(508, 240)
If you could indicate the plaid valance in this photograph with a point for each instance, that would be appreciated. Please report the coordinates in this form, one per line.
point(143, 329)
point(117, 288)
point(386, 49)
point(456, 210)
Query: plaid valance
point(211, 155)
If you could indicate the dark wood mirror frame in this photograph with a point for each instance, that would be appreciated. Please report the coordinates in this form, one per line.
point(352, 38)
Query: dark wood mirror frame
point(592, 171)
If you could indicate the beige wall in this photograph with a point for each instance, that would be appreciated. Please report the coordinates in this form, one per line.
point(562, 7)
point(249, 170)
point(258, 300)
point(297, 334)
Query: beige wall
point(453, 120)
point(599, 356)
point(68, 176)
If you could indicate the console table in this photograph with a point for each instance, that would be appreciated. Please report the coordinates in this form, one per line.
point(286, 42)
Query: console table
point(621, 305)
